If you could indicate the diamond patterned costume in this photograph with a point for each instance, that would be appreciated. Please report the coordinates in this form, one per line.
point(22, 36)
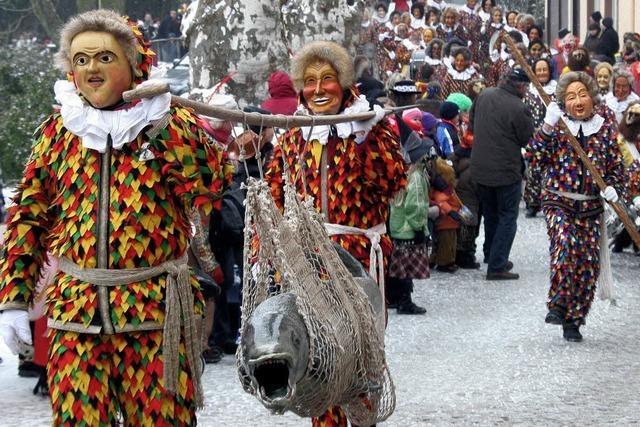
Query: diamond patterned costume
point(154, 181)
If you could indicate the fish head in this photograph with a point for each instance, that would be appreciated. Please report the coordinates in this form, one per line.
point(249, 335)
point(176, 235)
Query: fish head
point(276, 351)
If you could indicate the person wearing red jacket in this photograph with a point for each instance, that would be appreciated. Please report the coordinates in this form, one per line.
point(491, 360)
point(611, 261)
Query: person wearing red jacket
point(282, 96)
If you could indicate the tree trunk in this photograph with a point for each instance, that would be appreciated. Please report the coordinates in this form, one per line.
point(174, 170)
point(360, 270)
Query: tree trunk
point(250, 39)
point(85, 5)
point(45, 11)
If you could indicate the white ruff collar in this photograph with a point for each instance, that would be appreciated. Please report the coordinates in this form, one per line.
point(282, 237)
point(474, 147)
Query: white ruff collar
point(320, 133)
point(93, 125)
point(432, 61)
point(471, 11)
point(549, 88)
point(460, 75)
point(589, 127)
point(484, 15)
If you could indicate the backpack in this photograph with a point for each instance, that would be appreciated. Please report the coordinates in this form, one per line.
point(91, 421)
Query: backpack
point(232, 215)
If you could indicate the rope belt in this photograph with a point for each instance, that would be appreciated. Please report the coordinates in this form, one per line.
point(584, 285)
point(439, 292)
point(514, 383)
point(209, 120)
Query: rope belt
point(178, 312)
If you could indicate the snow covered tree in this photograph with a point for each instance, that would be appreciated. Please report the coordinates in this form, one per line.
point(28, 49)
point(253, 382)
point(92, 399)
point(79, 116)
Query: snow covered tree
point(249, 39)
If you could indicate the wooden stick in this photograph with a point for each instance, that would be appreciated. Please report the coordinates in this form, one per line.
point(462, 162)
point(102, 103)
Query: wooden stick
point(255, 119)
point(617, 207)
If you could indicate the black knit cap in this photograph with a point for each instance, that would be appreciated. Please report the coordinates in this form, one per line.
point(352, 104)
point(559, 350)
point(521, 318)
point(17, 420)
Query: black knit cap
point(448, 110)
point(518, 75)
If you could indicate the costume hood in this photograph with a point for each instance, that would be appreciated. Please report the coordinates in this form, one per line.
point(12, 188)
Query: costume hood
point(330, 52)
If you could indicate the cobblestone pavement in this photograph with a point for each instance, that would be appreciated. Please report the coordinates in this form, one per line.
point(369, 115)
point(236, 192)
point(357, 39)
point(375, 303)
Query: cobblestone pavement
point(481, 356)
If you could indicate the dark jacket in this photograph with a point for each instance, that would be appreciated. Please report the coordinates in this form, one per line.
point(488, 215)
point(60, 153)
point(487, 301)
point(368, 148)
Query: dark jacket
point(609, 44)
point(502, 125)
point(591, 43)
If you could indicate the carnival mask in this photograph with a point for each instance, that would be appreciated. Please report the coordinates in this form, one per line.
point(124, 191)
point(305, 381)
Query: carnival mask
point(478, 86)
point(436, 51)
point(449, 20)
point(568, 44)
point(578, 101)
point(496, 16)
point(535, 50)
point(460, 63)
point(322, 90)
point(101, 71)
point(603, 78)
point(621, 88)
point(427, 35)
point(542, 72)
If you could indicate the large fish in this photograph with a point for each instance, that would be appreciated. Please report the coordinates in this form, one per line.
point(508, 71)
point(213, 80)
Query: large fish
point(275, 343)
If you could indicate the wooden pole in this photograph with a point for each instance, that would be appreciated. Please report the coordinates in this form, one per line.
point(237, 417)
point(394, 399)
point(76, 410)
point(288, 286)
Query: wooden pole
point(255, 119)
point(617, 207)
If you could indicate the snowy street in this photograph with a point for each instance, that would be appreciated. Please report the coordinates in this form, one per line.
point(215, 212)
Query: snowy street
point(481, 356)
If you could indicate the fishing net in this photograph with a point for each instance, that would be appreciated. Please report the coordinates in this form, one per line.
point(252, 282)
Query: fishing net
point(291, 252)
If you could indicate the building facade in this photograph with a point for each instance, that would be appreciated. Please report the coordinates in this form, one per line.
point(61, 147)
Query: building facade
point(574, 15)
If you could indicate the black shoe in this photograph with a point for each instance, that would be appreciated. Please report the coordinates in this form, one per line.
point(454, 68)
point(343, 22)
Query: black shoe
point(555, 316)
point(212, 355)
point(507, 267)
point(229, 347)
point(449, 268)
point(411, 308)
point(391, 305)
point(571, 332)
point(531, 212)
point(469, 265)
point(29, 370)
point(502, 275)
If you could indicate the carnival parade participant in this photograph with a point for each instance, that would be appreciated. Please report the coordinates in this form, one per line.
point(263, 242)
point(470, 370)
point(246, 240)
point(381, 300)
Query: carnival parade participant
point(621, 94)
point(450, 27)
point(543, 68)
point(459, 73)
point(351, 170)
point(107, 190)
point(629, 142)
point(603, 72)
point(572, 203)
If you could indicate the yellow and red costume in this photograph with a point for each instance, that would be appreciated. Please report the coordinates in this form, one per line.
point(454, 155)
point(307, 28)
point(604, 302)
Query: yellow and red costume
point(106, 354)
point(360, 178)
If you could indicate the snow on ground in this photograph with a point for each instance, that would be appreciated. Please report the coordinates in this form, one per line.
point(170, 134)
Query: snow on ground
point(481, 356)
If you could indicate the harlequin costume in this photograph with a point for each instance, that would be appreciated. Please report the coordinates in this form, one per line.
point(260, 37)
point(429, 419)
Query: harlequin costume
point(351, 174)
point(472, 23)
point(573, 208)
point(531, 193)
point(126, 176)
point(453, 81)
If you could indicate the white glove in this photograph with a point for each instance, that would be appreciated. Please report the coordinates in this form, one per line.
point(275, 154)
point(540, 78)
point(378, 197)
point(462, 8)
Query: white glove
point(392, 54)
point(14, 326)
point(609, 194)
point(553, 114)
point(636, 203)
point(494, 55)
point(434, 212)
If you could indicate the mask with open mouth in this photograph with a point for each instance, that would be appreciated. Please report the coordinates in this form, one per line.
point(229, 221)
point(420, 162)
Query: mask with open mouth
point(322, 91)
point(101, 71)
point(276, 351)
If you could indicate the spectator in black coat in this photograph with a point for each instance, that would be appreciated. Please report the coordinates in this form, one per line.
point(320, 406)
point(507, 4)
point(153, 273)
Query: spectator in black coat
point(592, 41)
point(502, 125)
point(609, 41)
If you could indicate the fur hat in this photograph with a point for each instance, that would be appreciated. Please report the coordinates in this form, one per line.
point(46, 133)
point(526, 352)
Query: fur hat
point(327, 51)
point(137, 50)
